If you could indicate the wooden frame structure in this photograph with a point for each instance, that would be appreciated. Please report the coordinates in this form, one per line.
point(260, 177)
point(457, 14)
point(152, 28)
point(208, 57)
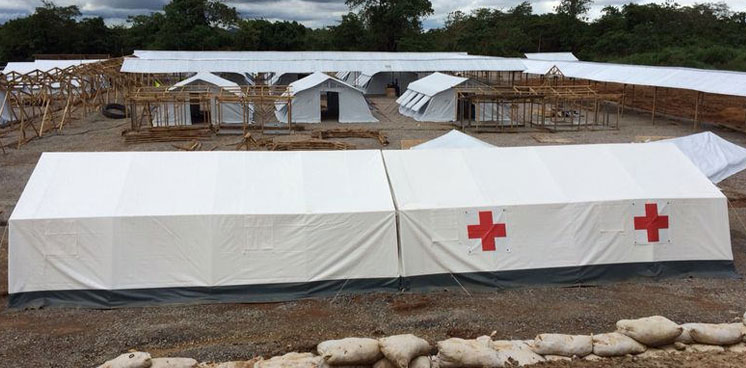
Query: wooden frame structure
point(545, 106)
point(41, 101)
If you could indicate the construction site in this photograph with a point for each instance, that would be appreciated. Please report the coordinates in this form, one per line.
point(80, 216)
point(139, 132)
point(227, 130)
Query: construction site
point(237, 206)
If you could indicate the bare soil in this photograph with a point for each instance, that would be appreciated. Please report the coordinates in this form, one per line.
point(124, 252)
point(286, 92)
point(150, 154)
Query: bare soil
point(70, 337)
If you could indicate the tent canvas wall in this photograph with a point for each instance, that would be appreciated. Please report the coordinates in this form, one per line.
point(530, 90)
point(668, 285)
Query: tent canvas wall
point(306, 105)
point(110, 229)
point(377, 83)
point(230, 113)
point(6, 108)
point(432, 98)
point(562, 215)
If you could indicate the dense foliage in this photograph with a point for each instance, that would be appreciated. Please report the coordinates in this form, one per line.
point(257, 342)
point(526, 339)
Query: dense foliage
point(703, 35)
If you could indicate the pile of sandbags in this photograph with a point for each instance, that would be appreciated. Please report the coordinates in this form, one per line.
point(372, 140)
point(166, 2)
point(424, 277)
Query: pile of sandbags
point(648, 337)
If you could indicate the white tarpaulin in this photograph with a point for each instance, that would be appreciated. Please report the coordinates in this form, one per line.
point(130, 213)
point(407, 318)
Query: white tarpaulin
point(555, 214)
point(120, 228)
point(453, 139)
point(432, 98)
point(6, 108)
point(559, 56)
point(714, 156)
point(306, 105)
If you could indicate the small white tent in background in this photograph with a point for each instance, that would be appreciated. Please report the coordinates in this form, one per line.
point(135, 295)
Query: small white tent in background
point(453, 139)
point(376, 84)
point(230, 113)
point(714, 156)
point(432, 98)
point(342, 99)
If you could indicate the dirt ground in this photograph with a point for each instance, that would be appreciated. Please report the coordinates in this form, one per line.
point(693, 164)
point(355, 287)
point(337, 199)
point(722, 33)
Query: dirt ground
point(86, 337)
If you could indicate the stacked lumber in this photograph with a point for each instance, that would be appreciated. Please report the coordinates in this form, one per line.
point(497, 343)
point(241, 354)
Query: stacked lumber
point(165, 134)
point(352, 133)
point(310, 144)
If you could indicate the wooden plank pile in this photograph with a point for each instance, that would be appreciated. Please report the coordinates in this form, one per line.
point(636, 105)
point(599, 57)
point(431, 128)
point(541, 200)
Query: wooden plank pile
point(166, 134)
point(310, 144)
point(352, 133)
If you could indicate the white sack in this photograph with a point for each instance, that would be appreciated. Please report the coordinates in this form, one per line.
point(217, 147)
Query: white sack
point(651, 331)
point(383, 363)
point(456, 352)
point(518, 351)
point(615, 344)
point(292, 360)
point(420, 362)
point(716, 334)
point(234, 364)
point(565, 345)
point(401, 349)
point(592, 357)
point(736, 348)
point(653, 353)
point(704, 348)
point(350, 351)
point(129, 360)
point(685, 337)
point(555, 358)
point(173, 363)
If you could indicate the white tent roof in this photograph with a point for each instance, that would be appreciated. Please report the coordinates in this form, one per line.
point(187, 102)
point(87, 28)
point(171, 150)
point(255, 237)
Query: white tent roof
point(542, 175)
point(42, 65)
point(207, 78)
point(560, 56)
point(314, 80)
point(714, 156)
point(435, 83)
point(295, 55)
point(708, 81)
point(453, 139)
point(278, 62)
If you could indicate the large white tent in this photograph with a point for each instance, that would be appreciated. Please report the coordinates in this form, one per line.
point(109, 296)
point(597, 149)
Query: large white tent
point(555, 214)
point(229, 113)
point(109, 229)
point(432, 98)
point(376, 84)
point(306, 104)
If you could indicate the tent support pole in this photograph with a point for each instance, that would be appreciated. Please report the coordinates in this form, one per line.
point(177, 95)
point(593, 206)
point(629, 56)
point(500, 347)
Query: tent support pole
point(655, 100)
point(696, 110)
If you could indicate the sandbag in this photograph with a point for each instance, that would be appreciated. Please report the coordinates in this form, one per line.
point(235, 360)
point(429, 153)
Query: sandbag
point(350, 351)
point(615, 344)
point(456, 352)
point(517, 351)
point(650, 331)
point(555, 358)
point(233, 364)
point(565, 345)
point(685, 337)
point(401, 349)
point(173, 363)
point(420, 362)
point(716, 334)
point(736, 348)
point(292, 360)
point(135, 359)
point(704, 348)
point(652, 353)
point(383, 363)
point(592, 357)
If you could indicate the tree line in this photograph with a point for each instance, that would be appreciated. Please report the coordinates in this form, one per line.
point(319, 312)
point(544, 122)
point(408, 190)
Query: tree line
point(708, 35)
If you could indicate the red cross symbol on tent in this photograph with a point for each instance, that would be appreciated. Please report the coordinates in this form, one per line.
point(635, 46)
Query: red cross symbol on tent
point(487, 231)
point(652, 222)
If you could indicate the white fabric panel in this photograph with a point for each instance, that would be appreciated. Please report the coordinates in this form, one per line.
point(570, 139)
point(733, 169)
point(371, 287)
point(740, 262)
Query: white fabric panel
point(167, 114)
point(121, 220)
point(435, 83)
point(453, 139)
point(420, 103)
point(714, 156)
point(412, 95)
point(440, 108)
point(369, 66)
point(232, 113)
point(206, 78)
point(576, 203)
point(306, 105)
point(558, 56)
point(416, 99)
point(6, 107)
point(708, 81)
point(378, 82)
point(404, 96)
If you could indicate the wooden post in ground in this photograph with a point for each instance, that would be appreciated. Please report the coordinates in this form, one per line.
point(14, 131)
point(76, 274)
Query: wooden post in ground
point(696, 110)
point(655, 98)
point(624, 97)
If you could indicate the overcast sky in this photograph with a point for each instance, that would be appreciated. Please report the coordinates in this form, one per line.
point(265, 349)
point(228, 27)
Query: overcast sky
point(313, 13)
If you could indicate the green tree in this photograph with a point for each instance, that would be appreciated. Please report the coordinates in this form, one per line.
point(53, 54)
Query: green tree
point(388, 21)
point(574, 8)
